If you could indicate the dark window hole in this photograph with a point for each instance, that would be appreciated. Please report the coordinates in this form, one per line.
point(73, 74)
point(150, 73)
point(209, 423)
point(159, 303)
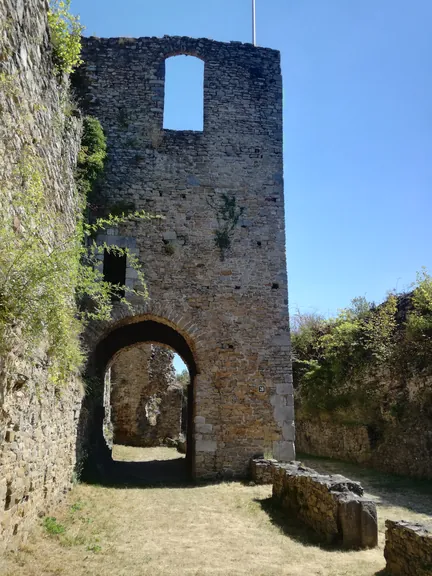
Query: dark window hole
point(275, 286)
point(259, 243)
point(114, 271)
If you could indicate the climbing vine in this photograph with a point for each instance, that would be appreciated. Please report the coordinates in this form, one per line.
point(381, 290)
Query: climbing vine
point(50, 282)
point(228, 215)
point(46, 269)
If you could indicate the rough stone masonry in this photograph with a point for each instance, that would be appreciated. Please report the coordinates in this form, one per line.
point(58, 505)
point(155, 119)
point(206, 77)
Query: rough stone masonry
point(333, 506)
point(225, 311)
point(39, 422)
point(143, 399)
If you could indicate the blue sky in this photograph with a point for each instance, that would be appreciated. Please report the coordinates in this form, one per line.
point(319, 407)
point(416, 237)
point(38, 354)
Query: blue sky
point(357, 128)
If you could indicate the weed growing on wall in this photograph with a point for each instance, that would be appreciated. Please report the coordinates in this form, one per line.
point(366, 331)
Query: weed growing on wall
point(228, 215)
point(66, 33)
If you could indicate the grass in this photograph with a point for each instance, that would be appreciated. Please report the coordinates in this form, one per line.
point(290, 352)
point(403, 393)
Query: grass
point(204, 530)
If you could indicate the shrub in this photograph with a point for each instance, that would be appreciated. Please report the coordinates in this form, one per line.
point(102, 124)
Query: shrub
point(48, 266)
point(337, 361)
point(66, 33)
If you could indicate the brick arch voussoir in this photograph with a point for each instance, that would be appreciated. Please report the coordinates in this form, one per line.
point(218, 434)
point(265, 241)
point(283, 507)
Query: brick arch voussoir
point(122, 315)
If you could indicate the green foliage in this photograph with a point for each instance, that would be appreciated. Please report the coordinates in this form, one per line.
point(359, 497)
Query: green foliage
point(52, 526)
point(183, 379)
point(95, 548)
point(38, 271)
point(91, 158)
point(50, 284)
point(77, 506)
point(418, 342)
point(335, 359)
point(228, 215)
point(66, 33)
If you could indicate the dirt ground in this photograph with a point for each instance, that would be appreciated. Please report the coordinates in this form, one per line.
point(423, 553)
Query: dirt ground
point(201, 530)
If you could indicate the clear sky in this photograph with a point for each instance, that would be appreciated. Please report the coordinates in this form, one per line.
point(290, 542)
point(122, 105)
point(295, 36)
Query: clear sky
point(357, 128)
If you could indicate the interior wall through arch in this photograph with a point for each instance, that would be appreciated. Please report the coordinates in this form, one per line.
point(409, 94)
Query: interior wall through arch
point(144, 401)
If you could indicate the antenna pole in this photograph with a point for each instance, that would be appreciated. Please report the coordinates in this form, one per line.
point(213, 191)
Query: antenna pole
point(254, 22)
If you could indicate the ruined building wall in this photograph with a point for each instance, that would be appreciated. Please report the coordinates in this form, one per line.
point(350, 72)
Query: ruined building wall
point(38, 421)
point(398, 441)
point(145, 400)
point(233, 311)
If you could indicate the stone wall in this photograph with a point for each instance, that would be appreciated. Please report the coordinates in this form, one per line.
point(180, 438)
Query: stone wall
point(408, 549)
point(145, 400)
point(39, 446)
point(229, 309)
point(396, 446)
point(332, 506)
point(262, 470)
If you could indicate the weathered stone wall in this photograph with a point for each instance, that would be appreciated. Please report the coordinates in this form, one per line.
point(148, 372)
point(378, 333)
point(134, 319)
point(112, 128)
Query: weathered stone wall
point(38, 421)
point(145, 399)
point(262, 470)
point(408, 549)
point(232, 312)
point(332, 505)
point(399, 447)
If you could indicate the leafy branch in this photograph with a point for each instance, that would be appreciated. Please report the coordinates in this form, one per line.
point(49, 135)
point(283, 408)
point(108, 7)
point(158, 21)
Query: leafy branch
point(66, 31)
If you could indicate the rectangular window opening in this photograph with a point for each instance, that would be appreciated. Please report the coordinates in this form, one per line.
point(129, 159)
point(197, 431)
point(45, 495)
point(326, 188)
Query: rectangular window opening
point(114, 271)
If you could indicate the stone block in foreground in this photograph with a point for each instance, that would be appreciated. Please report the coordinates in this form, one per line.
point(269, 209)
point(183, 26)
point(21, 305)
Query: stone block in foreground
point(262, 470)
point(408, 549)
point(333, 506)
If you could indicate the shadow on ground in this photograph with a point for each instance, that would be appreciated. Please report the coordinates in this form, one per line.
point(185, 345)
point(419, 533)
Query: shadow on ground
point(295, 529)
point(153, 473)
point(386, 490)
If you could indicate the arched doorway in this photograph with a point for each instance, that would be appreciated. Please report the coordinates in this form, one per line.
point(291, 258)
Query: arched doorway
point(128, 333)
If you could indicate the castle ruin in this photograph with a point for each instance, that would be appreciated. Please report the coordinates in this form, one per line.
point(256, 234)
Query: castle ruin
point(223, 307)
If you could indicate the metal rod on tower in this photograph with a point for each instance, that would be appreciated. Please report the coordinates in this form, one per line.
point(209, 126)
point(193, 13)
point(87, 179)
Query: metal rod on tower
point(254, 22)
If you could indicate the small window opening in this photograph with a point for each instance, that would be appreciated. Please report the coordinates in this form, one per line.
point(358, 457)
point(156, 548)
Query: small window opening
point(114, 271)
point(184, 94)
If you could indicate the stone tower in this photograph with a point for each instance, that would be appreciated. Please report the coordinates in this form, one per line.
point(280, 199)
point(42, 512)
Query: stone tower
point(215, 265)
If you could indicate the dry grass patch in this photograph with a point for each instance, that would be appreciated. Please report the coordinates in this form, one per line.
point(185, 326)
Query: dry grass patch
point(207, 530)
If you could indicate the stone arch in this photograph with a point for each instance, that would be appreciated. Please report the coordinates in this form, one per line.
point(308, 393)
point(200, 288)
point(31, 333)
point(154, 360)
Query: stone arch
point(125, 332)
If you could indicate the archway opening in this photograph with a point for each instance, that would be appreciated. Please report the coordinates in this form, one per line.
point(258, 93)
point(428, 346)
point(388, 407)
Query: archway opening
point(146, 404)
point(145, 432)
